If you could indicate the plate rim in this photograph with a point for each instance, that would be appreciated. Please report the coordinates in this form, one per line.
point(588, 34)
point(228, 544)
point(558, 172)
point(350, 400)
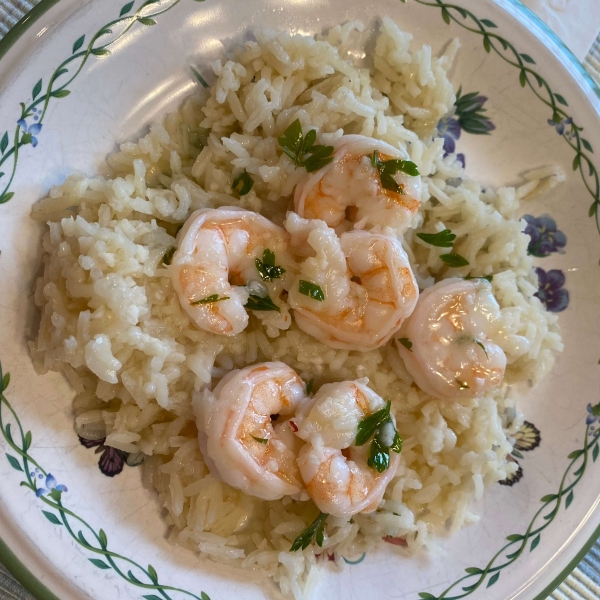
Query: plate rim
point(15, 566)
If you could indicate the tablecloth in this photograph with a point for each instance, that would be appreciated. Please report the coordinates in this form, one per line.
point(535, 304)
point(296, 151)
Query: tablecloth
point(582, 584)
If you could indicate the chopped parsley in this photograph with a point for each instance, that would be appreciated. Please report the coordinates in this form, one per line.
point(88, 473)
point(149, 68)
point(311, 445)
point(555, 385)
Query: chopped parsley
point(296, 146)
point(267, 269)
point(209, 299)
point(371, 427)
point(487, 277)
point(246, 181)
point(480, 344)
point(168, 257)
point(312, 290)
point(388, 168)
point(454, 260)
point(406, 343)
point(314, 530)
point(443, 239)
point(309, 387)
point(260, 440)
point(264, 304)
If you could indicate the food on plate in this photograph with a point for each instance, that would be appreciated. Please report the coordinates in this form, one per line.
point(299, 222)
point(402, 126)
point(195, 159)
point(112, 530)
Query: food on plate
point(356, 290)
point(316, 327)
point(244, 434)
point(447, 344)
point(346, 462)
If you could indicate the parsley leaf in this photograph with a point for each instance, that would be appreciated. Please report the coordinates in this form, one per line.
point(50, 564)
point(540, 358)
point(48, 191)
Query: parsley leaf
point(246, 181)
point(454, 260)
point(397, 445)
point(487, 278)
point(379, 456)
point(264, 304)
point(443, 239)
point(483, 348)
point(315, 529)
point(296, 146)
point(266, 267)
point(168, 257)
point(369, 427)
point(309, 387)
point(260, 440)
point(406, 343)
point(312, 290)
point(387, 169)
point(209, 299)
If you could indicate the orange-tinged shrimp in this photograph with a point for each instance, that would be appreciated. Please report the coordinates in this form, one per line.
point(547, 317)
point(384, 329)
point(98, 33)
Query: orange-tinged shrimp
point(452, 354)
point(214, 269)
point(348, 192)
point(366, 281)
point(244, 430)
point(335, 471)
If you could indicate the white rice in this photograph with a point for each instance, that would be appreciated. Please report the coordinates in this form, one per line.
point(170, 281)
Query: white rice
point(112, 323)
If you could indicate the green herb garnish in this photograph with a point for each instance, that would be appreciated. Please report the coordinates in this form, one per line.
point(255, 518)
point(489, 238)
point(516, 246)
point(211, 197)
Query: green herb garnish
point(487, 278)
point(261, 440)
point(483, 348)
point(264, 304)
point(309, 387)
point(314, 530)
point(267, 269)
point(443, 239)
point(406, 343)
point(200, 78)
point(209, 299)
point(312, 290)
point(388, 168)
point(168, 257)
point(454, 260)
point(246, 181)
point(462, 385)
point(370, 427)
point(297, 146)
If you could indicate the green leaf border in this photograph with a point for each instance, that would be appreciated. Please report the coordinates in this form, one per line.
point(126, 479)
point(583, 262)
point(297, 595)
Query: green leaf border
point(59, 515)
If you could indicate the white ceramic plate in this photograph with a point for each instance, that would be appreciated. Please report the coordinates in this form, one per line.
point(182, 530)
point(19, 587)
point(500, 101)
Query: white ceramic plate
point(531, 534)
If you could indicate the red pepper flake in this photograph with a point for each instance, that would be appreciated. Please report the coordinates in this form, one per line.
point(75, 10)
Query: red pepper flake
point(293, 426)
point(396, 541)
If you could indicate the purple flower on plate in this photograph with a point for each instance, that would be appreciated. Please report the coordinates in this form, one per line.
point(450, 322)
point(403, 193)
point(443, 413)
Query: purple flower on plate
point(449, 130)
point(112, 460)
point(550, 289)
point(593, 415)
point(29, 132)
point(560, 125)
point(545, 237)
point(468, 117)
point(51, 487)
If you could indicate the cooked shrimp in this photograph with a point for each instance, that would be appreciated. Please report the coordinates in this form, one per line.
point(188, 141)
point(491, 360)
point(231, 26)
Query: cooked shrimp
point(244, 435)
point(451, 353)
point(335, 471)
point(367, 285)
point(348, 192)
point(214, 269)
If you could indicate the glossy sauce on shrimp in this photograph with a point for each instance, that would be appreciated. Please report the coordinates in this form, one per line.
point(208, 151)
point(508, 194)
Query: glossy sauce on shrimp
point(349, 193)
point(334, 469)
point(244, 430)
point(216, 261)
point(367, 284)
point(447, 347)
